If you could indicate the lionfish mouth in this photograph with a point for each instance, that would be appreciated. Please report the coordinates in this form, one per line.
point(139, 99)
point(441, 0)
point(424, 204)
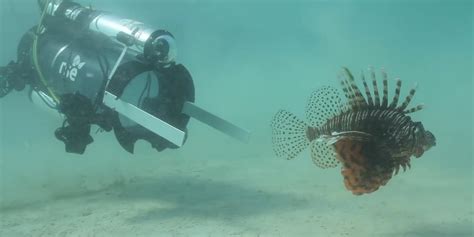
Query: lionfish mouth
point(419, 152)
point(430, 140)
point(428, 143)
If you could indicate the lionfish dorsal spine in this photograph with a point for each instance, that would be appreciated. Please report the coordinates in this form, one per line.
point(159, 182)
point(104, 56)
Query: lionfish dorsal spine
point(385, 89)
point(408, 99)
point(360, 100)
point(356, 99)
point(396, 97)
point(414, 109)
point(367, 91)
point(376, 90)
point(347, 91)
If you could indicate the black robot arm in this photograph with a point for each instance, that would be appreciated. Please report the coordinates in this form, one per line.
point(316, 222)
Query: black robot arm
point(13, 76)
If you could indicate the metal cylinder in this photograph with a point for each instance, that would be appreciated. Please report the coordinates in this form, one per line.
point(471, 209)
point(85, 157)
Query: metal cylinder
point(155, 45)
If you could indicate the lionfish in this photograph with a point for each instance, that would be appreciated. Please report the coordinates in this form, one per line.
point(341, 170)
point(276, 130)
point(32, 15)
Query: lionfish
point(370, 136)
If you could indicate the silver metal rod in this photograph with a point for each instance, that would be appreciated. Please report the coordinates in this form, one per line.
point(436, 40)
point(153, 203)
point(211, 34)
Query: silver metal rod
point(145, 119)
point(119, 60)
point(216, 122)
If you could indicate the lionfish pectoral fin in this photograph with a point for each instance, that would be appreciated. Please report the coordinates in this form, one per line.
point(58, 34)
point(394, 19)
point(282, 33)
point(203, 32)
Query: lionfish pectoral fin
point(323, 155)
point(357, 155)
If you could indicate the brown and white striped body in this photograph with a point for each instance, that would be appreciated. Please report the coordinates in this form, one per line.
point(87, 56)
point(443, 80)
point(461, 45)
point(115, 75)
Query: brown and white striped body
point(371, 137)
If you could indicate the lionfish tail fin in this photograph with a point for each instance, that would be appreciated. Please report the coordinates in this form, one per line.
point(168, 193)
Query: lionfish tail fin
point(288, 134)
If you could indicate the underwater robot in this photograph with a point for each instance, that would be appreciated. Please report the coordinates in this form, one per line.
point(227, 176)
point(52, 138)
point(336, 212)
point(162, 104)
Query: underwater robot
point(96, 68)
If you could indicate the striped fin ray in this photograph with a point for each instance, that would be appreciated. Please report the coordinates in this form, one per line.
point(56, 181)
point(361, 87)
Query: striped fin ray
point(385, 89)
point(414, 109)
point(347, 91)
point(409, 97)
point(367, 91)
point(356, 100)
point(376, 90)
point(359, 99)
point(397, 94)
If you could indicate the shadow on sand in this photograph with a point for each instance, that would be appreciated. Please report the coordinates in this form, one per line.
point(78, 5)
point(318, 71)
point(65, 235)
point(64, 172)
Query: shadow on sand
point(461, 229)
point(204, 198)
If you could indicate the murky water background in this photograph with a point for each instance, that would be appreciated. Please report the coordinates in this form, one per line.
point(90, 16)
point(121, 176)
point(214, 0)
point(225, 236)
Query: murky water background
point(249, 59)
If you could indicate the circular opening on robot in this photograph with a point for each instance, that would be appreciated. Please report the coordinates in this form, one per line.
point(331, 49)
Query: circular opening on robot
point(142, 88)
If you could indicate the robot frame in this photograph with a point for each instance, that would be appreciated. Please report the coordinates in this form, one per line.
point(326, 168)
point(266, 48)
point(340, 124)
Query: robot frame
point(85, 65)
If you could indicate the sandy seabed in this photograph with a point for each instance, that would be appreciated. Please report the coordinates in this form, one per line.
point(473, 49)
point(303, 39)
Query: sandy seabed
point(254, 195)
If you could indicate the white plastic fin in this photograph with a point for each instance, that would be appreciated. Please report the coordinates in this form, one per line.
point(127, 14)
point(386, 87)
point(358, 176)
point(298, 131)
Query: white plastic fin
point(145, 119)
point(215, 122)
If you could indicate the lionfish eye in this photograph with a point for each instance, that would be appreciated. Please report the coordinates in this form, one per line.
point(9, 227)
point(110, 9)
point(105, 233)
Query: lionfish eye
point(419, 134)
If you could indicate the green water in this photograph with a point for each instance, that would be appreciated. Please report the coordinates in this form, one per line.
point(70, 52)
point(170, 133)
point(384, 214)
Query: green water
point(248, 59)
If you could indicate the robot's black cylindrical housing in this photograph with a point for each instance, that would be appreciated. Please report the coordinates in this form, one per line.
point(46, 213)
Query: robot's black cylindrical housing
point(95, 68)
point(78, 68)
